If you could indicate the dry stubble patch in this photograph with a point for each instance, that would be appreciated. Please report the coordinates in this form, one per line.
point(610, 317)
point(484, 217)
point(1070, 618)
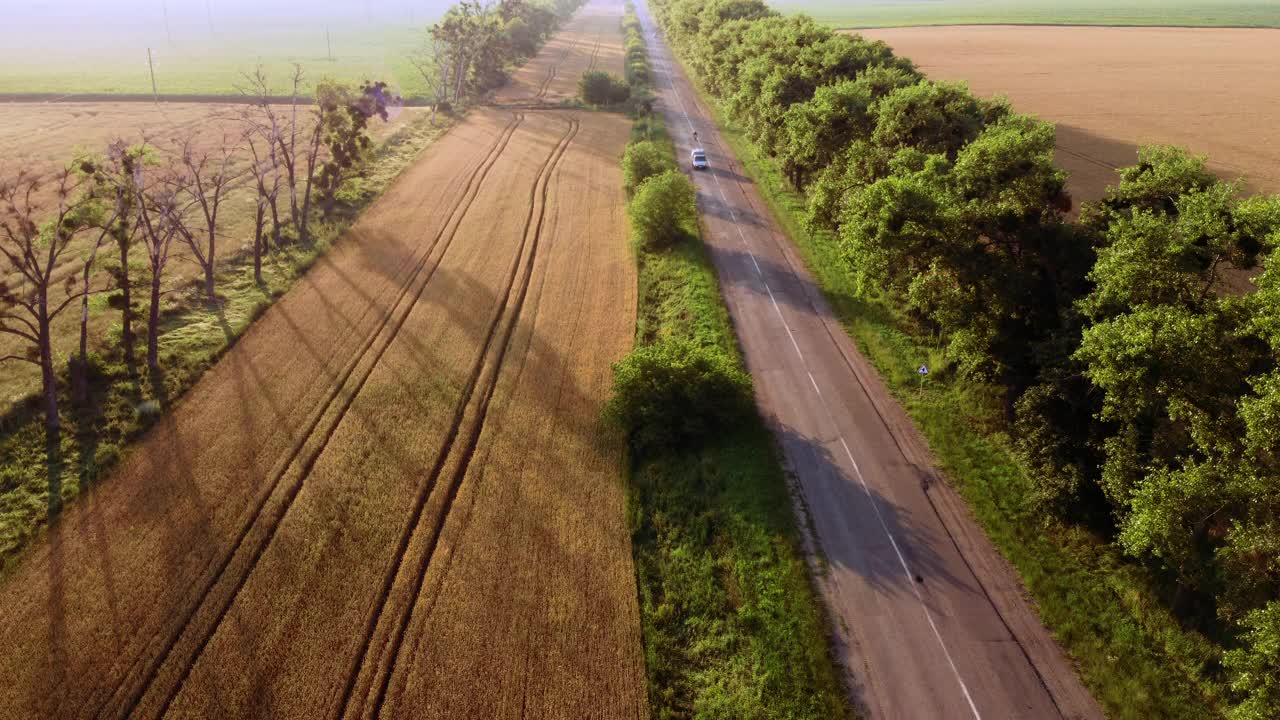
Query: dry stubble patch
point(553, 581)
point(322, 572)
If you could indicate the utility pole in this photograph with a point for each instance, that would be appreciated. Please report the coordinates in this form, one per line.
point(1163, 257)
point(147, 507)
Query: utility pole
point(169, 34)
point(328, 43)
point(208, 11)
point(154, 91)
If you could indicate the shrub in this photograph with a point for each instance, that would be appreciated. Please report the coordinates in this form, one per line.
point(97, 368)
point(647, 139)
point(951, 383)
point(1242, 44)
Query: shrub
point(643, 160)
point(638, 72)
point(600, 88)
point(663, 210)
point(674, 395)
point(146, 411)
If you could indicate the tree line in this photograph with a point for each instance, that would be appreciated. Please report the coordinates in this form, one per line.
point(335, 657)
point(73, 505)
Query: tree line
point(1144, 399)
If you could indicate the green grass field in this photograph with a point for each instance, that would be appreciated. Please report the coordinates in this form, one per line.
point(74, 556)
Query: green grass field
point(218, 70)
point(890, 13)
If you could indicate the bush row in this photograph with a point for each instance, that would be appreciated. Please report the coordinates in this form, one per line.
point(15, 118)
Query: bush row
point(1144, 399)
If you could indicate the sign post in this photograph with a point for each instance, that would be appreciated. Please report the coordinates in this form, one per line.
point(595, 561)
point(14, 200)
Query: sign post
point(922, 371)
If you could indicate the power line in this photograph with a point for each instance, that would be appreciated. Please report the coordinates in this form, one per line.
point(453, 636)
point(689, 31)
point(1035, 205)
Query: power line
point(164, 6)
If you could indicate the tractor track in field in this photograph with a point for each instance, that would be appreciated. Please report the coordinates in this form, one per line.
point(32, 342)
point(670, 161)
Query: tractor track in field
point(465, 520)
point(554, 71)
point(595, 54)
point(484, 377)
point(469, 452)
point(1088, 158)
point(459, 208)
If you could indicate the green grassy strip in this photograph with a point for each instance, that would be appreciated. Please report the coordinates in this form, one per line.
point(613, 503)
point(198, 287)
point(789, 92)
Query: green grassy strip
point(1131, 652)
point(36, 483)
point(732, 626)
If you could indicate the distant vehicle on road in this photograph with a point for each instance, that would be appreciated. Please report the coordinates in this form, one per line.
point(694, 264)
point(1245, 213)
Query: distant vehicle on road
point(699, 159)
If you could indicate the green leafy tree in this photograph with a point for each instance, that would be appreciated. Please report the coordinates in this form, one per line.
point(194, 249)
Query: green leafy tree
point(664, 210)
point(522, 38)
point(1163, 174)
point(856, 166)
point(892, 229)
point(933, 117)
point(1255, 667)
point(1187, 466)
point(675, 394)
point(974, 246)
point(598, 87)
point(818, 129)
point(344, 117)
point(643, 160)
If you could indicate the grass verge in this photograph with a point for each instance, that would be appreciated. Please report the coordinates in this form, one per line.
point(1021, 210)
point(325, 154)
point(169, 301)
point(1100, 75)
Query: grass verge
point(732, 627)
point(36, 480)
point(1131, 652)
point(731, 624)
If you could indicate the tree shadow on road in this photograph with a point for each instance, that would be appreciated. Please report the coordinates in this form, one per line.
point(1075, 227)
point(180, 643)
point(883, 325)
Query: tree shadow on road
point(875, 551)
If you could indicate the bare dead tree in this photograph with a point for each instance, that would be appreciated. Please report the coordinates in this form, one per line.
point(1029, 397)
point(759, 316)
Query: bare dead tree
point(288, 156)
point(160, 218)
point(34, 237)
point(266, 183)
point(300, 162)
point(262, 134)
point(281, 129)
point(314, 147)
point(208, 177)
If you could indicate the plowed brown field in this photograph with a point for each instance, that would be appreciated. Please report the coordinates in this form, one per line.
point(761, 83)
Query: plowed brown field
point(1215, 91)
point(394, 496)
point(591, 41)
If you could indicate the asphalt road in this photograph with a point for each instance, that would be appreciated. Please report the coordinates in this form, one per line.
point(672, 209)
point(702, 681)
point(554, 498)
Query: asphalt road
point(931, 621)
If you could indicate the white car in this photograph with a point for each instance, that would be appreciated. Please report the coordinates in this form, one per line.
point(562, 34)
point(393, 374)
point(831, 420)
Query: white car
point(699, 157)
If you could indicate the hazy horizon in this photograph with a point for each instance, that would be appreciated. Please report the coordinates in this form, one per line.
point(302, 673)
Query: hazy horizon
point(199, 46)
point(62, 28)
